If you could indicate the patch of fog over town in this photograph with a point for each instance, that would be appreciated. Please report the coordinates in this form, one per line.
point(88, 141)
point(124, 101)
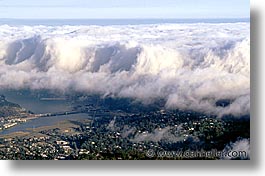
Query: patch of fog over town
point(170, 133)
point(190, 66)
point(241, 149)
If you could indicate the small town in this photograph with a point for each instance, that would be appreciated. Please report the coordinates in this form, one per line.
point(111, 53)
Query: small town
point(119, 135)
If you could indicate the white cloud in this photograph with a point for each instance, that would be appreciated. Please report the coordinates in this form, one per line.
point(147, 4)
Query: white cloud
point(191, 66)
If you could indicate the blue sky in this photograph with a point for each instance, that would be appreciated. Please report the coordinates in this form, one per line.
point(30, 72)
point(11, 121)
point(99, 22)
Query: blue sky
point(68, 9)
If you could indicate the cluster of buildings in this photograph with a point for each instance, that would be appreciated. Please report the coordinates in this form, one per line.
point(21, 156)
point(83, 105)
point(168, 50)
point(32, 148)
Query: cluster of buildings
point(10, 122)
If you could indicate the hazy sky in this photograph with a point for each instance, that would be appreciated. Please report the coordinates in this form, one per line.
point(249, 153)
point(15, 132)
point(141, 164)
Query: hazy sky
point(124, 9)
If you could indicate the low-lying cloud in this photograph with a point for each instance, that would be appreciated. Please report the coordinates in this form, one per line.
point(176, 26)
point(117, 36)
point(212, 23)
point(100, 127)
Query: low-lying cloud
point(190, 66)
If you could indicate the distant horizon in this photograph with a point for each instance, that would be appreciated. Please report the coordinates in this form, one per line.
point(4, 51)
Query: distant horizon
point(121, 21)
